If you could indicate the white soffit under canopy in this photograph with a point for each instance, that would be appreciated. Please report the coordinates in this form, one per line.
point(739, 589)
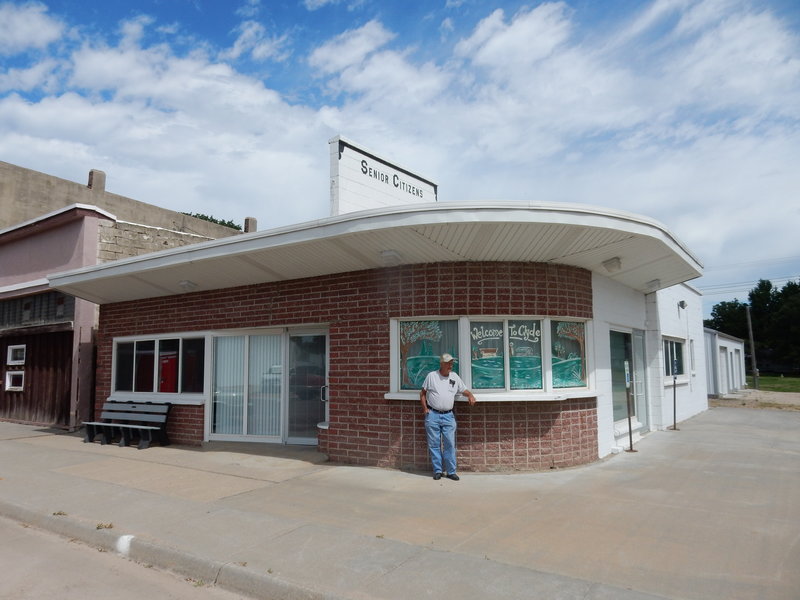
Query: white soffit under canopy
point(638, 252)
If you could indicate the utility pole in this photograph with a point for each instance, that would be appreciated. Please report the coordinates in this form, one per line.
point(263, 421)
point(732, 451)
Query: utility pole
point(752, 348)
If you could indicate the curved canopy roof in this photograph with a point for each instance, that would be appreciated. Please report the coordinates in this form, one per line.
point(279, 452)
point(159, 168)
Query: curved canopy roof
point(635, 251)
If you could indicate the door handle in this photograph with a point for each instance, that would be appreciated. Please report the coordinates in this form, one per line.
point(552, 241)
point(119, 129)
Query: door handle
point(322, 395)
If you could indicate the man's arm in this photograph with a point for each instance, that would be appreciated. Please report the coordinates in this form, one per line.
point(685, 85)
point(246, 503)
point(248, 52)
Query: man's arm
point(423, 399)
point(470, 397)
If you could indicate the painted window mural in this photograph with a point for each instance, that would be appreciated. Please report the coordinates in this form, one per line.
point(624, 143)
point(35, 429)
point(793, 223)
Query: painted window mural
point(568, 340)
point(487, 349)
point(525, 354)
point(421, 344)
point(519, 341)
point(499, 354)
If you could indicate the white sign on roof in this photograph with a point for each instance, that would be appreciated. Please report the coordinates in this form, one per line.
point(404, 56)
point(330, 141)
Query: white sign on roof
point(361, 180)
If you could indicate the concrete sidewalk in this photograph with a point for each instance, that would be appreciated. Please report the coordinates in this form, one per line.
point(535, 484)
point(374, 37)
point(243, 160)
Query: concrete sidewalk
point(708, 512)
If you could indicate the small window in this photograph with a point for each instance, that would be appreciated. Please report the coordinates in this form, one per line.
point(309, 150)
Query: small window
point(16, 355)
point(568, 339)
point(525, 354)
point(673, 358)
point(421, 344)
point(193, 365)
point(15, 381)
point(488, 344)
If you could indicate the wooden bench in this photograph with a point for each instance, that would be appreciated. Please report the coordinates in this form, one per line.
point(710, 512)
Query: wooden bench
point(127, 421)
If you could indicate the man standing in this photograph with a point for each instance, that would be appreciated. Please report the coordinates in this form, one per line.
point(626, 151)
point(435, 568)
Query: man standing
point(438, 395)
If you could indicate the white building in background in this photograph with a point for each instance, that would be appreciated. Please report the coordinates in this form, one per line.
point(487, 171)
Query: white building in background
point(725, 365)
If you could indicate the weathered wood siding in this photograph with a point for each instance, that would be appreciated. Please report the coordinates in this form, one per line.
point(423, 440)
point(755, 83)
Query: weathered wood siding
point(45, 398)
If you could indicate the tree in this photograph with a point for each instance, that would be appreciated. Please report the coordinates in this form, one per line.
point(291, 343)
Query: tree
point(202, 217)
point(785, 329)
point(729, 317)
point(775, 315)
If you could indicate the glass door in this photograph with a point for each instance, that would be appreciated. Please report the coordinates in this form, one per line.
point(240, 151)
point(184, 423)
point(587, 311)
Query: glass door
point(248, 379)
point(639, 379)
point(628, 348)
point(308, 386)
point(621, 353)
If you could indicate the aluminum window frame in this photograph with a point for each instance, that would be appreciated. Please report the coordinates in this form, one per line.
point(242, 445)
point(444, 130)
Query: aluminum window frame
point(179, 397)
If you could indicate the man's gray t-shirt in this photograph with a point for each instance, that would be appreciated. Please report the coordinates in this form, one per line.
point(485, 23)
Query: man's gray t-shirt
point(441, 390)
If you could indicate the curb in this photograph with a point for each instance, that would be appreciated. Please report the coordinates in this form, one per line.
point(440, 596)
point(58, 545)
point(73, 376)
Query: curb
point(232, 577)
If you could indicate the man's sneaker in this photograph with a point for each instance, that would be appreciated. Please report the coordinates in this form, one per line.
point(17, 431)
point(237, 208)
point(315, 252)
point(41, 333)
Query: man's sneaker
point(437, 476)
point(453, 476)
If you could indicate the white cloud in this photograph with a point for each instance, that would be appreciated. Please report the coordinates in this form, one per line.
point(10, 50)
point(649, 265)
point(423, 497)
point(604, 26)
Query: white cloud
point(253, 40)
point(745, 59)
point(316, 4)
point(249, 9)
point(446, 27)
point(528, 38)
point(41, 75)
point(350, 48)
point(26, 26)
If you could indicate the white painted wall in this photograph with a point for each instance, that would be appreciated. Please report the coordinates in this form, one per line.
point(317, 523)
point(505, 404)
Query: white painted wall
point(690, 391)
point(619, 308)
point(362, 180)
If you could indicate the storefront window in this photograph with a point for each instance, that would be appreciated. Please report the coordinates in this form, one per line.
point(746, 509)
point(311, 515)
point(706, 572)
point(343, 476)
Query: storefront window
point(487, 350)
point(498, 354)
point(193, 365)
point(421, 344)
point(144, 362)
point(123, 367)
point(568, 345)
point(168, 365)
point(179, 360)
point(525, 354)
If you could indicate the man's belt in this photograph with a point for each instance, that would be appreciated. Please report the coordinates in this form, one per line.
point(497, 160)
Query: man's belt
point(441, 412)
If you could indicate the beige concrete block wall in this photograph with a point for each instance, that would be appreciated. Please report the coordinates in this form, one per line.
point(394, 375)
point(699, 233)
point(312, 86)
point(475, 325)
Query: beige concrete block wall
point(26, 194)
point(122, 240)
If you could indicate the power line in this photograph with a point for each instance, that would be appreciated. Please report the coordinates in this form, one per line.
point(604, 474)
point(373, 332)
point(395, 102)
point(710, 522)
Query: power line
point(754, 263)
point(744, 286)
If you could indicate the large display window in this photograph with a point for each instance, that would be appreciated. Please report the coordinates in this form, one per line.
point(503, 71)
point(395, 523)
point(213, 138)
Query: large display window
point(167, 366)
point(494, 354)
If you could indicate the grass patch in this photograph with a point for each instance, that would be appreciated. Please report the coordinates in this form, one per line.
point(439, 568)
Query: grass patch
point(772, 383)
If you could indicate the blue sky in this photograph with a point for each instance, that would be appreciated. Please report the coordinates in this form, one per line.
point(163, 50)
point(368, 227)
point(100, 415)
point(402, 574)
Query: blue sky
point(685, 111)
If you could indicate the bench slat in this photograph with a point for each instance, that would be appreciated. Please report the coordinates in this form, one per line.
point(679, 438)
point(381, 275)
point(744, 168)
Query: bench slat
point(124, 416)
point(146, 408)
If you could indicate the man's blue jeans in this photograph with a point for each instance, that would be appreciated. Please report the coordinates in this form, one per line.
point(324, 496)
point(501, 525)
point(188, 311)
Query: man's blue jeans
point(441, 432)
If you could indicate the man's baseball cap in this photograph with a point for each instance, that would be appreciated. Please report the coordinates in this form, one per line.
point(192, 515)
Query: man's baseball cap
point(446, 358)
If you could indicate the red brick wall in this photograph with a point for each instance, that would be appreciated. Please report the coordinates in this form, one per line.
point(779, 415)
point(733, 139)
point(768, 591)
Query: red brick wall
point(357, 307)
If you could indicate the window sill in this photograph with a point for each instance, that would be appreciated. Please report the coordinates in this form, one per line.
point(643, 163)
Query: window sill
point(506, 396)
point(174, 399)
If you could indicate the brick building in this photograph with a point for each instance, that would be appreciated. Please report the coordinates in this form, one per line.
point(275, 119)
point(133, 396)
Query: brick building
point(319, 333)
